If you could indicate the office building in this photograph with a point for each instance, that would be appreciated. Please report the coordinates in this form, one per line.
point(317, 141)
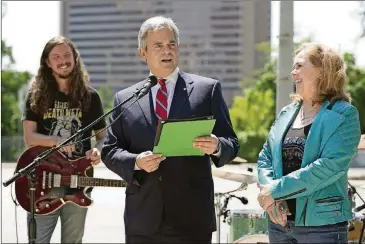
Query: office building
point(217, 38)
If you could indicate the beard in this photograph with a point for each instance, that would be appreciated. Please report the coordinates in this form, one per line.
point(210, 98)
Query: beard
point(65, 76)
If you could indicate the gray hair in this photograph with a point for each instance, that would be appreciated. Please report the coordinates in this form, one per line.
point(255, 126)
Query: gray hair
point(153, 24)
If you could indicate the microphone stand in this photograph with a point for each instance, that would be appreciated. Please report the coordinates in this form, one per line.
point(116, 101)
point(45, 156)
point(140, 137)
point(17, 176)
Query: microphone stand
point(353, 190)
point(29, 170)
point(221, 209)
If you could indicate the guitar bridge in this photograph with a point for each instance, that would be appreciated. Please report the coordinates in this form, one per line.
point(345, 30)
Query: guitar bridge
point(73, 183)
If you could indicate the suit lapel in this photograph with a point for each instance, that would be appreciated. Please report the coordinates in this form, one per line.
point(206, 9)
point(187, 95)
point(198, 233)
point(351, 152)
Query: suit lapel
point(146, 105)
point(282, 125)
point(183, 89)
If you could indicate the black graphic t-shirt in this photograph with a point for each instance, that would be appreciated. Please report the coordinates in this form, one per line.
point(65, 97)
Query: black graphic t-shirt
point(64, 121)
point(292, 151)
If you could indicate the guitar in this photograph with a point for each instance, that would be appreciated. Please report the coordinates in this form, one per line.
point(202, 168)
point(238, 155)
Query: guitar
point(55, 175)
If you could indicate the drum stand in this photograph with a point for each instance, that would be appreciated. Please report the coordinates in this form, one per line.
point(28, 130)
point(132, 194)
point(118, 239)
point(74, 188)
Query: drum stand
point(353, 191)
point(362, 230)
point(221, 209)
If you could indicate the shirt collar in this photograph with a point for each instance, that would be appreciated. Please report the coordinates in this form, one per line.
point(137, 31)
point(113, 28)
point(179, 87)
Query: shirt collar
point(172, 77)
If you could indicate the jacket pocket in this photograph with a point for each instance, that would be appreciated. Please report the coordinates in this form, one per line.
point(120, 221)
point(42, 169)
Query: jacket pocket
point(329, 207)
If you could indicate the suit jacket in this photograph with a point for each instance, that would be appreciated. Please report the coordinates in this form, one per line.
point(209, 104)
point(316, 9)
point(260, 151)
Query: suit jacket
point(320, 186)
point(182, 187)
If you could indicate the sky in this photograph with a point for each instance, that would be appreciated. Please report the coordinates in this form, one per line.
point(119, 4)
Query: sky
point(27, 26)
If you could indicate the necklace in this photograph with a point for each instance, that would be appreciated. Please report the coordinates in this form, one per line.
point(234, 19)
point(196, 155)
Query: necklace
point(304, 119)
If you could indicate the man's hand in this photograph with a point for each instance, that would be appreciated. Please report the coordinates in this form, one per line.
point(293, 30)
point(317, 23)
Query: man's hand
point(207, 144)
point(65, 149)
point(148, 161)
point(94, 156)
point(265, 199)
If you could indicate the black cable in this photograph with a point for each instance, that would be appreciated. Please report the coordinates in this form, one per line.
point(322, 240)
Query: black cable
point(15, 212)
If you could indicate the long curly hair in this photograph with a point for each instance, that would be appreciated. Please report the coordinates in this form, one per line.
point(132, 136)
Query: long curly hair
point(44, 87)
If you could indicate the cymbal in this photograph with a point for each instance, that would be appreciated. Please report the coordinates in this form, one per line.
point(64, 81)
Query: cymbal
point(239, 160)
point(362, 142)
point(246, 177)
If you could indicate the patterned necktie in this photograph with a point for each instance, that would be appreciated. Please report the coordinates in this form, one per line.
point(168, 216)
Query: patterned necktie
point(161, 101)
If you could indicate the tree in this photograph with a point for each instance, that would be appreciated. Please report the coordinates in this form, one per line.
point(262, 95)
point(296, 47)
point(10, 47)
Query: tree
point(11, 82)
point(251, 116)
point(356, 87)
point(106, 96)
point(253, 113)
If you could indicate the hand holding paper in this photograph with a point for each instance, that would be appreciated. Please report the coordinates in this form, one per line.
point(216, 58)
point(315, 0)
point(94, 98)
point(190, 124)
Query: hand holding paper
point(176, 137)
point(207, 144)
point(148, 161)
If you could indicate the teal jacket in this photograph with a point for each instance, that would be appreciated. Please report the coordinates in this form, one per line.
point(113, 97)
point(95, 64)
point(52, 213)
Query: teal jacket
point(320, 185)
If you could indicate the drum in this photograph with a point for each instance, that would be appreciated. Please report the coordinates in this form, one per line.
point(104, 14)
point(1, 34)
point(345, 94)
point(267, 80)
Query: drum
point(354, 230)
point(262, 238)
point(246, 222)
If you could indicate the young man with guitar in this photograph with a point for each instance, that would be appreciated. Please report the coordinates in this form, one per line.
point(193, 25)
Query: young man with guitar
point(59, 103)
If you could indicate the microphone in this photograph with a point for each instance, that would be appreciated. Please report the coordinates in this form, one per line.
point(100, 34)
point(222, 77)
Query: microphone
point(242, 199)
point(358, 209)
point(152, 81)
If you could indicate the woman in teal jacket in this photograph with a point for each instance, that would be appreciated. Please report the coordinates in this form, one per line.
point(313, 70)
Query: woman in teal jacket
point(302, 168)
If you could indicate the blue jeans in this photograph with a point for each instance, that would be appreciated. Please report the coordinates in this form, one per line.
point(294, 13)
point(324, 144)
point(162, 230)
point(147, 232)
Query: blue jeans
point(336, 233)
point(72, 224)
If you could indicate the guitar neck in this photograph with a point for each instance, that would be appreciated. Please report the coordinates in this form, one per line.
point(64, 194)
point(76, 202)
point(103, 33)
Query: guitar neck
point(92, 182)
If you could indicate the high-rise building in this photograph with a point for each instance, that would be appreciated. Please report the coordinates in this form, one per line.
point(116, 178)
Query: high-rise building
point(217, 38)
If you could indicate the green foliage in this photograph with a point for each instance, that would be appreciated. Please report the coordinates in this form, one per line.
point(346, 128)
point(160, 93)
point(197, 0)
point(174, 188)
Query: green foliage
point(11, 82)
point(356, 87)
point(252, 116)
point(253, 113)
point(11, 128)
point(106, 95)
point(6, 55)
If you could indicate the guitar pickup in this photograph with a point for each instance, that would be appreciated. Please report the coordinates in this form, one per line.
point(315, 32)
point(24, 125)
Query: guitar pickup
point(73, 183)
point(57, 180)
point(49, 180)
point(44, 180)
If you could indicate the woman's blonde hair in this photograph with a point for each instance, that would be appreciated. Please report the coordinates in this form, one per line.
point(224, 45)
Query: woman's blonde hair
point(331, 84)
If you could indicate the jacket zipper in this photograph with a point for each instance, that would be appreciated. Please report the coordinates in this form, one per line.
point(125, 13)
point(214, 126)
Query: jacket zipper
point(291, 194)
point(329, 199)
point(305, 210)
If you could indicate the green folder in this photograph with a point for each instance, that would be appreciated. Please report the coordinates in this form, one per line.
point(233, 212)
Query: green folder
point(175, 137)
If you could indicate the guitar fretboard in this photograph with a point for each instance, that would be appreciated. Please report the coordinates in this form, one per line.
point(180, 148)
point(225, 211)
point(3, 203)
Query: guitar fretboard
point(91, 182)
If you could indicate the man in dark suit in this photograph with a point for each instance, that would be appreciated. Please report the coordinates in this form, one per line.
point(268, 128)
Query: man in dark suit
point(168, 200)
